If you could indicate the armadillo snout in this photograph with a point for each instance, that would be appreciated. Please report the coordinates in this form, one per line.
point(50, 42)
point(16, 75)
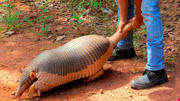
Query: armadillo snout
point(25, 82)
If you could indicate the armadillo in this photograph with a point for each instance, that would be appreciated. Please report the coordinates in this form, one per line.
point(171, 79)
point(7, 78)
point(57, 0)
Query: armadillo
point(82, 57)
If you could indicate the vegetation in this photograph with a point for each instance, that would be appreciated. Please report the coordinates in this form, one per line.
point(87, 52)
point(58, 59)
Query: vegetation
point(102, 18)
point(42, 19)
point(10, 17)
point(83, 17)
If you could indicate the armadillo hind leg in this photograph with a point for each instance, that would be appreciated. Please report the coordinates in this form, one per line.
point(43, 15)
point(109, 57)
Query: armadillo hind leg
point(94, 76)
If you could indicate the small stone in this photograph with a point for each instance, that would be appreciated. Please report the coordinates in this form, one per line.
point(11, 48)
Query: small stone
point(13, 93)
point(126, 87)
point(101, 91)
point(58, 99)
point(60, 28)
point(37, 99)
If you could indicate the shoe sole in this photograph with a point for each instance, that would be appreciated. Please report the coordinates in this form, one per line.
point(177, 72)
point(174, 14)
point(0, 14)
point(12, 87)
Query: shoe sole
point(135, 86)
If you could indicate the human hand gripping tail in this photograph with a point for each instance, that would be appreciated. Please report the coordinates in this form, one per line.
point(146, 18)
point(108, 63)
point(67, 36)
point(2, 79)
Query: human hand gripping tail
point(124, 27)
point(120, 29)
point(133, 24)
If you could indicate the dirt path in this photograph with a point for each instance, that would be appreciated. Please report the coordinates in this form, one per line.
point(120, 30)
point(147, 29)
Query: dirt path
point(114, 84)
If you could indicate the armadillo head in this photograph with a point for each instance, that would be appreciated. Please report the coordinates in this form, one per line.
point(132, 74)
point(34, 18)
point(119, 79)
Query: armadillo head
point(25, 82)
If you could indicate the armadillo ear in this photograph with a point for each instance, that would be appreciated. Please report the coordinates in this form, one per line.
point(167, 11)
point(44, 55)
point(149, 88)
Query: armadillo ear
point(21, 69)
point(32, 75)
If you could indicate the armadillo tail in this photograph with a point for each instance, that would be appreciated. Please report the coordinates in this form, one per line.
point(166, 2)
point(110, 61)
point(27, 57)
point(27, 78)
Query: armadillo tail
point(115, 38)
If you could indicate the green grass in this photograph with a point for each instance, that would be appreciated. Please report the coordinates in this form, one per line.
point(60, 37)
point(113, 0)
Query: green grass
point(171, 59)
point(42, 19)
point(43, 48)
point(139, 36)
point(77, 8)
point(78, 21)
point(10, 17)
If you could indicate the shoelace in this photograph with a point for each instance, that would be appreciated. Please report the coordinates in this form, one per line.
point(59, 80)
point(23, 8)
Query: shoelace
point(146, 72)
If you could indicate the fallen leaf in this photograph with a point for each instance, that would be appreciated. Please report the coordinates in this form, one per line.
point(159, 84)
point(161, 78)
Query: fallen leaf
point(50, 36)
point(9, 33)
point(132, 70)
point(59, 38)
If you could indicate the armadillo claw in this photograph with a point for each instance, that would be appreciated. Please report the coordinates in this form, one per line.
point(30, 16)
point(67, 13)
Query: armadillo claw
point(39, 92)
point(13, 93)
point(31, 91)
point(94, 76)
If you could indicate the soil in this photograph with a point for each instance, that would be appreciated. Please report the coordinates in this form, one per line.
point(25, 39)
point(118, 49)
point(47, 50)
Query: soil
point(17, 51)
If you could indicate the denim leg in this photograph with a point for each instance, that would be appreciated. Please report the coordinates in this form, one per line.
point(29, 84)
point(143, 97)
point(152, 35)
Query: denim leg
point(127, 42)
point(154, 28)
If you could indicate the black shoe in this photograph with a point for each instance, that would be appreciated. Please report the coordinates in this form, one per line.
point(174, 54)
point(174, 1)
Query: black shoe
point(122, 54)
point(149, 79)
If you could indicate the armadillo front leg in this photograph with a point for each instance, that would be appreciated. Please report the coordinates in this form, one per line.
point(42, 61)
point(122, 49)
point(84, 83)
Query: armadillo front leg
point(94, 76)
point(37, 87)
point(32, 90)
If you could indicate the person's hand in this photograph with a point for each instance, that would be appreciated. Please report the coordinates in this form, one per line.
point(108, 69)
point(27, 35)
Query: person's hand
point(120, 27)
point(136, 22)
point(133, 24)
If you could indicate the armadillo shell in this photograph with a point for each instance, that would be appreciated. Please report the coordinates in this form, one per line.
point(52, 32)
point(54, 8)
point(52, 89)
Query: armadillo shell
point(73, 57)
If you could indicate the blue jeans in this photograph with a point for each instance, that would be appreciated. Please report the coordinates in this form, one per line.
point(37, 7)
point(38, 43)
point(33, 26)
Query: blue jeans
point(154, 28)
point(127, 42)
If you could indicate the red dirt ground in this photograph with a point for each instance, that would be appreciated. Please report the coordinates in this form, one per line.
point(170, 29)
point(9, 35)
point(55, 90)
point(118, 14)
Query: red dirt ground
point(18, 52)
